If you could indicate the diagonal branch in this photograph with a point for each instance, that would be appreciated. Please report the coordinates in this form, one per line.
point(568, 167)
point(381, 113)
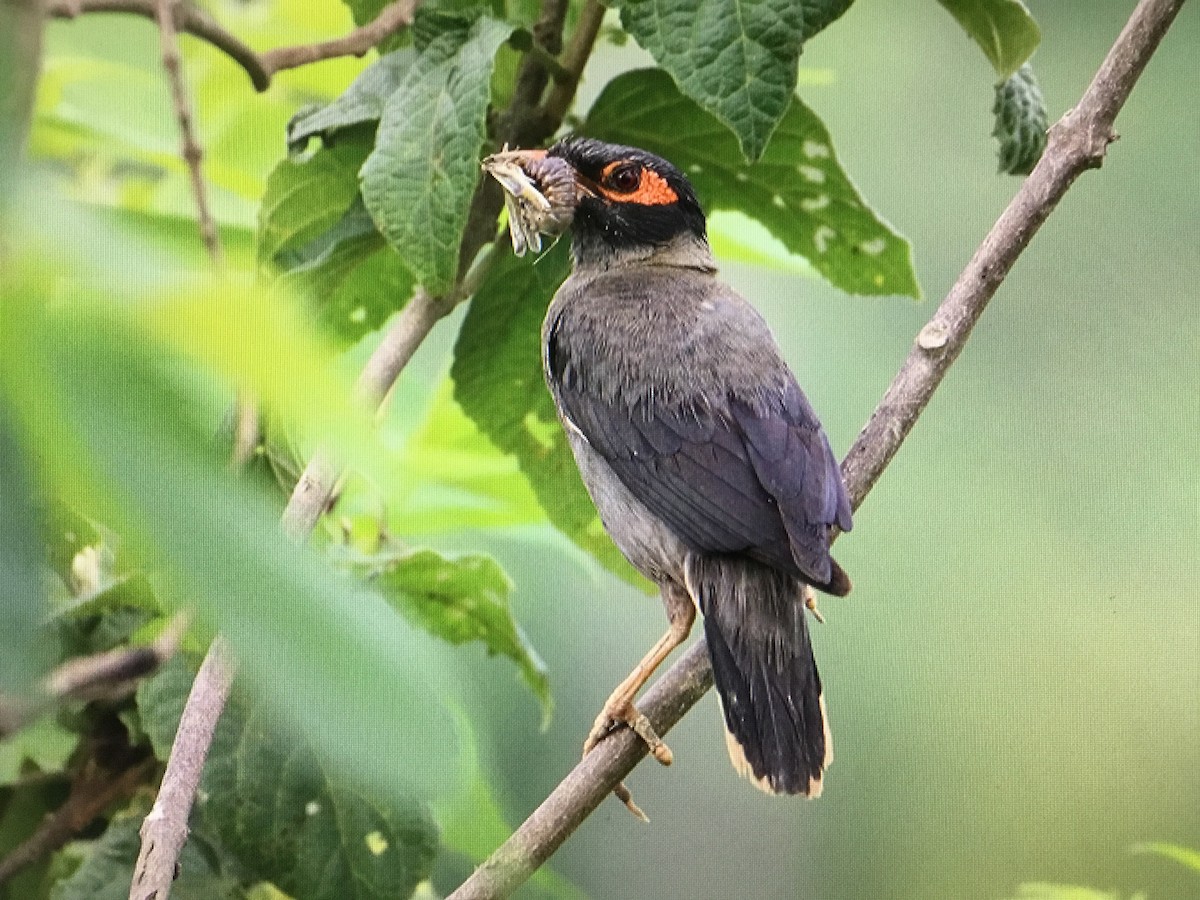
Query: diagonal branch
point(391, 19)
point(1077, 142)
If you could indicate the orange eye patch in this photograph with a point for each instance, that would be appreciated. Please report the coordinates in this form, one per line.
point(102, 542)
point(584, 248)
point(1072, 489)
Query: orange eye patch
point(651, 190)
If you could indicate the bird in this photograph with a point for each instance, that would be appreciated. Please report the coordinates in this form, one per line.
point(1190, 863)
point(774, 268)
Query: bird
point(707, 464)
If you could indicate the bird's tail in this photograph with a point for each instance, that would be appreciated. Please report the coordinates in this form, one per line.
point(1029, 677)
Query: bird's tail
point(764, 672)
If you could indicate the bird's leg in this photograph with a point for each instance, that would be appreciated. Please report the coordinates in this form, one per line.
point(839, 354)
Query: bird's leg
point(810, 600)
point(619, 707)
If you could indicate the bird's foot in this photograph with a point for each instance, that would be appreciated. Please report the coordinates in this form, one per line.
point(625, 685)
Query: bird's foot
point(615, 714)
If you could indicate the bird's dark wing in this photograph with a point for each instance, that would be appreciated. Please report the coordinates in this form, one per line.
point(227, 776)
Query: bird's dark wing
point(727, 476)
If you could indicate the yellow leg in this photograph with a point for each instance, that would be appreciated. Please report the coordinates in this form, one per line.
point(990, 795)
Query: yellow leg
point(619, 707)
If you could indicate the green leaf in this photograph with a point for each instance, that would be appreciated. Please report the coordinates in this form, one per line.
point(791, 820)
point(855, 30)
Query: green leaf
point(1038, 890)
point(1003, 29)
point(306, 197)
point(43, 744)
point(1021, 122)
point(456, 478)
point(107, 869)
point(361, 103)
point(497, 374)
point(1185, 856)
point(286, 815)
point(355, 280)
point(419, 180)
point(462, 599)
point(737, 59)
point(798, 189)
point(24, 653)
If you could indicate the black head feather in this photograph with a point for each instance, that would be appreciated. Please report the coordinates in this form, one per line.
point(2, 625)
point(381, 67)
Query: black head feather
point(631, 198)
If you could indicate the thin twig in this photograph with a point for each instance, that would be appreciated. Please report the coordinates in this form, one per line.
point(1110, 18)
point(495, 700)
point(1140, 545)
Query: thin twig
point(391, 19)
point(259, 67)
point(1077, 143)
point(190, 148)
point(92, 792)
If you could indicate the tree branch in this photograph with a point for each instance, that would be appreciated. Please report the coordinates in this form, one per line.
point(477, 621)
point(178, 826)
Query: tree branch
point(190, 147)
point(92, 792)
point(260, 67)
point(188, 18)
point(164, 831)
point(1077, 143)
point(391, 19)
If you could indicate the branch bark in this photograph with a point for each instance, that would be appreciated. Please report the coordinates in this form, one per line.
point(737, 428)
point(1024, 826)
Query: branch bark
point(1077, 143)
point(190, 147)
point(260, 67)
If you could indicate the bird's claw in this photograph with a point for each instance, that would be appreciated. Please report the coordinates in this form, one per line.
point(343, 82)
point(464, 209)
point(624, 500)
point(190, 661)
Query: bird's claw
point(613, 716)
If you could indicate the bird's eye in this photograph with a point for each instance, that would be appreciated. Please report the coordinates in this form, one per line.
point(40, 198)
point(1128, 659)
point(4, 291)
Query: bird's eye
point(625, 178)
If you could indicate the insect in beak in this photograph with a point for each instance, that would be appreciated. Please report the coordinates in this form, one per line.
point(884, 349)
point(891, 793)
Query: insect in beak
point(540, 193)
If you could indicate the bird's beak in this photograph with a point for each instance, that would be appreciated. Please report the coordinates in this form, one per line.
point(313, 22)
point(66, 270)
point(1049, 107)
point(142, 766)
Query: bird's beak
point(541, 193)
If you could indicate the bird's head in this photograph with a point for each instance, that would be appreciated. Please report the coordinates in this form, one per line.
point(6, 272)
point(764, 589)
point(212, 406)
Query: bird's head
point(627, 202)
point(628, 198)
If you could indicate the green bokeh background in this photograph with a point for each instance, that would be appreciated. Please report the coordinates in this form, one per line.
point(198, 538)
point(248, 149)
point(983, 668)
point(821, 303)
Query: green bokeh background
point(1013, 684)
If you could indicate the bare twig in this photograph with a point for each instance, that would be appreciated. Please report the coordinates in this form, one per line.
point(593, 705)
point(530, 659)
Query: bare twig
point(260, 67)
point(391, 19)
point(109, 674)
point(92, 792)
point(190, 148)
point(164, 830)
point(1077, 143)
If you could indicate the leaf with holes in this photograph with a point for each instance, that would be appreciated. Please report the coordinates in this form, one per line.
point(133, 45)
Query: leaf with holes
point(268, 799)
point(497, 374)
point(798, 189)
point(418, 182)
point(1003, 29)
point(737, 59)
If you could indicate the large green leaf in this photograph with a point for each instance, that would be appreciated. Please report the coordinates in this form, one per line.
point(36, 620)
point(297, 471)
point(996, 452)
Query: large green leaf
point(350, 275)
point(308, 196)
point(462, 599)
point(284, 813)
point(737, 59)
point(1021, 122)
point(419, 180)
point(361, 103)
point(798, 189)
point(1003, 29)
point(498, 382)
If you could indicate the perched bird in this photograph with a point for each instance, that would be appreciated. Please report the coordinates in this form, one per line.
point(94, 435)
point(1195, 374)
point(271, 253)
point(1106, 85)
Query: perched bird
point(706, 462)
